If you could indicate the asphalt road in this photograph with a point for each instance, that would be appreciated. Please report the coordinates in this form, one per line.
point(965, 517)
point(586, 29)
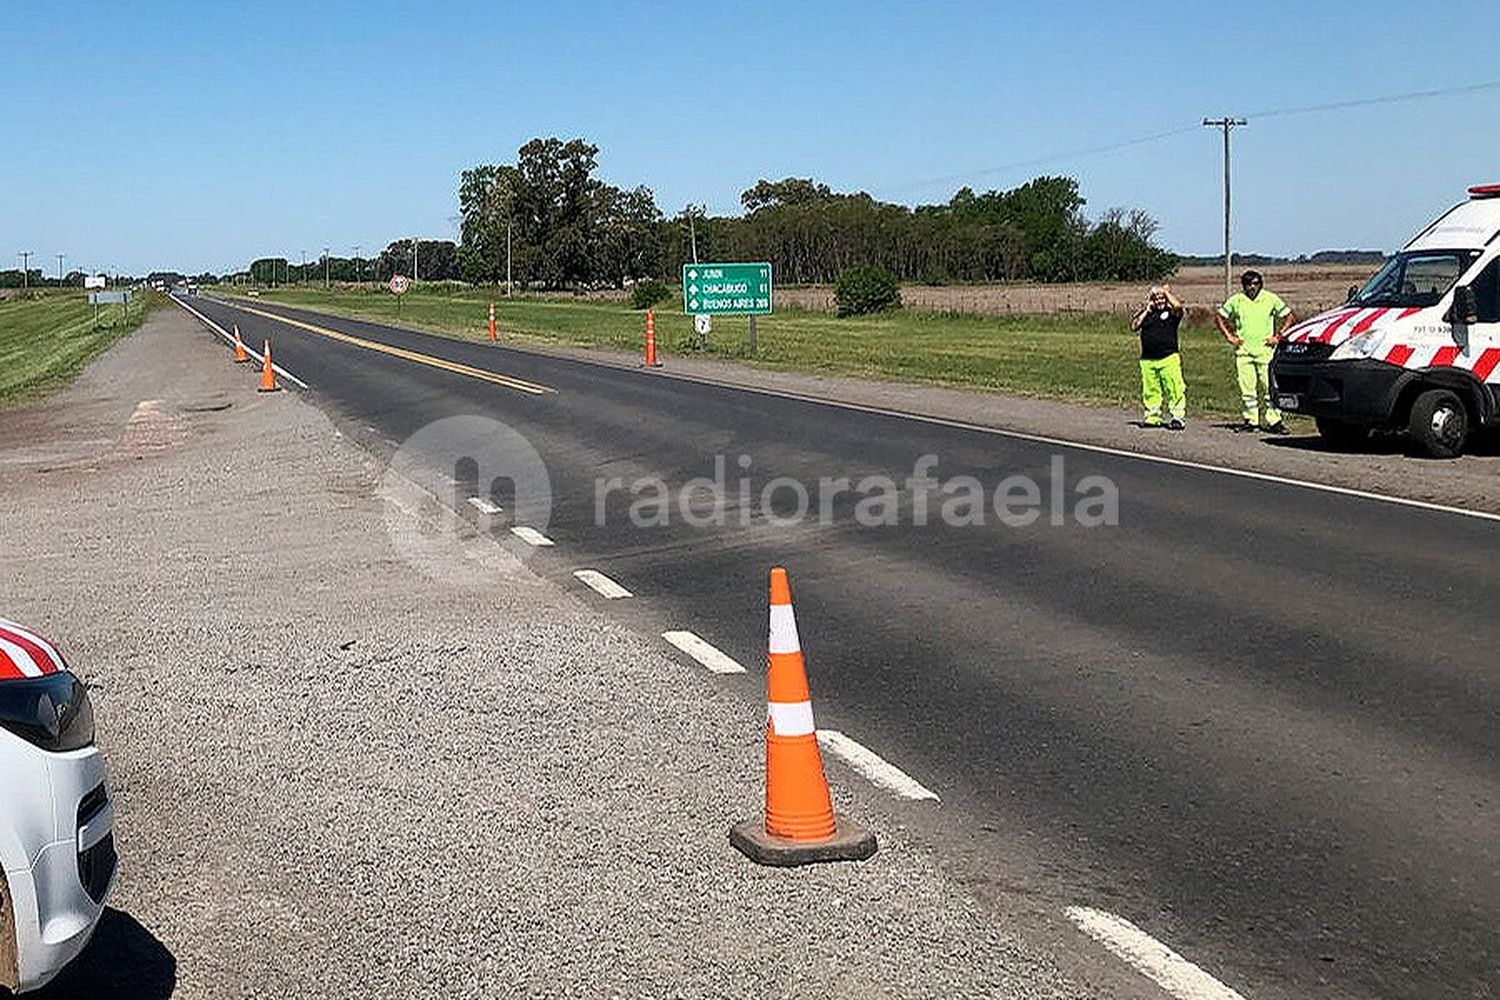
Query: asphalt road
point(1258, 720)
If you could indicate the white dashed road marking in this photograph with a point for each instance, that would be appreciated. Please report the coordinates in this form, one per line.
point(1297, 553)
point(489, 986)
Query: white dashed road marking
point(1150, 957)
point(713, 659)
point(531, 536)
point(870, 764)
point(601, 584)
point(484, 506)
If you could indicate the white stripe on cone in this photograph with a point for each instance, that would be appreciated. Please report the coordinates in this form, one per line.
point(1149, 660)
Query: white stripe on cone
point(784, 630)
point(791, 718)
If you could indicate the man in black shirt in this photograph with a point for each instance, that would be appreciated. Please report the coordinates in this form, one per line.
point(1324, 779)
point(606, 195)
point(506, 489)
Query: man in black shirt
point(1161, 364)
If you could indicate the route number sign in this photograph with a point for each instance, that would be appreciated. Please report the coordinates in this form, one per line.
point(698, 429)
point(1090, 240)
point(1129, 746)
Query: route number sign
point(726, 289)
point(399, 284)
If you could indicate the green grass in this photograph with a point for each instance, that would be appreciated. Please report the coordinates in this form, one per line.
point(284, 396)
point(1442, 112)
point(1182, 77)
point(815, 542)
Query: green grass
point(45, 341)
point(1087, 358)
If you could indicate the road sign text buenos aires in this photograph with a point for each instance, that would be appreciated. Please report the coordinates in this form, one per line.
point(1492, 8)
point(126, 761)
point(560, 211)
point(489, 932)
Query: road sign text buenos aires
point(726, 289)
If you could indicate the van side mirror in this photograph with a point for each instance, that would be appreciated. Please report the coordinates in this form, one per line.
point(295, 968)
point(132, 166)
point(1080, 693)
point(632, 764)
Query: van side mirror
point(1465, 306)
point(1353, 291)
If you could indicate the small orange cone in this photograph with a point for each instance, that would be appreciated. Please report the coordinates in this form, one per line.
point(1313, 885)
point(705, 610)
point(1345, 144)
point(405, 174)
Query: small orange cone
point(492, 322)
point(240, 354)
point(799, 825)
point(651, 361)
point(267, 373)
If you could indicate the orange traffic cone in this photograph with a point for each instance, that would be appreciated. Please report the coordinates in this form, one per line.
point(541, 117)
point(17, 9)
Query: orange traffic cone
point(651, 361)
point(267, 373)
point(799, 825)
point(240, 354)
point(492, 322)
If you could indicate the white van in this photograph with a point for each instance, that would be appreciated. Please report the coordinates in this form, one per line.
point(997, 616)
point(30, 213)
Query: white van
point(1416, 349)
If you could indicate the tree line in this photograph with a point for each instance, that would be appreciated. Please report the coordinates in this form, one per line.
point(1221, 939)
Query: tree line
point(548, 221)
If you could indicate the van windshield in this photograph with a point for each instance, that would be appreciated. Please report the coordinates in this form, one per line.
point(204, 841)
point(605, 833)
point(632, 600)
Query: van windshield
point(1415, 279)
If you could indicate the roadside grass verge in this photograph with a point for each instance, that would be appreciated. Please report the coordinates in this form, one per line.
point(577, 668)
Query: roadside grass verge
point(47, 339)
point(1086, 358)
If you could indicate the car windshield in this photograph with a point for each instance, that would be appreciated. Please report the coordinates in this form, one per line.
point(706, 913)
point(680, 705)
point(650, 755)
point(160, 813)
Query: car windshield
point(1415, 279)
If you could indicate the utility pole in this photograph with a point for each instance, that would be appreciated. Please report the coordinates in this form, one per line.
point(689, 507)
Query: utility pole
point(326, 284)
point(302, 272)
point(59, 267)
point(509, 286)
point(25, 256)
point(359, 266)
point(1228, 125)
point(413, 258)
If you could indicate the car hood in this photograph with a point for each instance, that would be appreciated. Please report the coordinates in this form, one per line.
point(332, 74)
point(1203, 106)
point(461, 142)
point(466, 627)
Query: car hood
point(23, 653)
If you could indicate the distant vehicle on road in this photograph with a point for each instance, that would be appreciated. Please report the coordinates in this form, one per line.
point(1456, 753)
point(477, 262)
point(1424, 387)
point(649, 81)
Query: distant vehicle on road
point(1417, 349)
point(57, 851)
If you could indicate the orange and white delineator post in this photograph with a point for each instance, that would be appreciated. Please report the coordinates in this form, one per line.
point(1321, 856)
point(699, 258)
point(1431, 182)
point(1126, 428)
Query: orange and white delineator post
point(267, 373)
point(651, 361)
point(492, 322)
point(799, 825)
point(240, 354)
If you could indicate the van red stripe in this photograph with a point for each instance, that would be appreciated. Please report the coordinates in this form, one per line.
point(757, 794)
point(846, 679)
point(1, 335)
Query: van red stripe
point(1367, 322)
point(1410, 311)
point(1328, 331)
point(8, 669)
point(1445, 357)
point(39, 656)
point(1487, 363)
point(1400, 354)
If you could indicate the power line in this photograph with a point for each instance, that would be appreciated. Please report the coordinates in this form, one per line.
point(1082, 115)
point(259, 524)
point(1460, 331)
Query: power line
point(1366, 102)
point(1141, 140)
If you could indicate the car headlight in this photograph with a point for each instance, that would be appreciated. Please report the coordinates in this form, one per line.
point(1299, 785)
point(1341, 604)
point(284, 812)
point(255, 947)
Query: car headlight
point(1361, 345)
point(52, 712)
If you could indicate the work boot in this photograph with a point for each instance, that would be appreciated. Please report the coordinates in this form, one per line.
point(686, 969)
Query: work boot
point(1277, 428)
point(1245, 427)
point(1175, 424)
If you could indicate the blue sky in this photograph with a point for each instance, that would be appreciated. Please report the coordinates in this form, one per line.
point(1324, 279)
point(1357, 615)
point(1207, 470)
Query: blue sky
point(199, 136)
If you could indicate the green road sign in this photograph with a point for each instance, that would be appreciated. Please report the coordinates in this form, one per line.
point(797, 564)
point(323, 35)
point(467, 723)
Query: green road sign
point(726, 289)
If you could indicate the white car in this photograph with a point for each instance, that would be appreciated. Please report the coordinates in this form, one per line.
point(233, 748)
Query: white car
point(57, 851)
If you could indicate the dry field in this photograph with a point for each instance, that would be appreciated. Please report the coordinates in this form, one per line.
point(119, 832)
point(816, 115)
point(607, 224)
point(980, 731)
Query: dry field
point(1307, 288)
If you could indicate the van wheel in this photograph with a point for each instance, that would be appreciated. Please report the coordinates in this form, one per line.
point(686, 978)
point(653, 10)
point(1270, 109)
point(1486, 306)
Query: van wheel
point(1439, 423)
point(1342, 433)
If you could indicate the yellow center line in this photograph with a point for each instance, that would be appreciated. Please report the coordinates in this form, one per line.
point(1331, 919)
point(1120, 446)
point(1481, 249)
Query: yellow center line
point(398, 352)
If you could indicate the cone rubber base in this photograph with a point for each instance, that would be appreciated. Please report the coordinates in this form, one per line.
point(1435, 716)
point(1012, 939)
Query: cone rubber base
point(274, 388)
point(651, 364)
point(850, 842)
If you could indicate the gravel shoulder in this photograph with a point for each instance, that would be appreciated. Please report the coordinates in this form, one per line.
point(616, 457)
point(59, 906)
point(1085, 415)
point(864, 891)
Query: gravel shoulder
point(1469, 482)
point(337, 775)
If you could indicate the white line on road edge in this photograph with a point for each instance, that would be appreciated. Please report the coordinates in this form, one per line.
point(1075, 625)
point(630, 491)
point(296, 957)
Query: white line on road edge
point(484, 506)
point(229, 338)
point(531, 536)
point(1149, 956)
point(601, 584)
point(713, 659)
point(870, 764)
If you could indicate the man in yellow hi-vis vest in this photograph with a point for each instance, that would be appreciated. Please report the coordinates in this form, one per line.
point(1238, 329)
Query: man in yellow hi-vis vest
point(1248, 323)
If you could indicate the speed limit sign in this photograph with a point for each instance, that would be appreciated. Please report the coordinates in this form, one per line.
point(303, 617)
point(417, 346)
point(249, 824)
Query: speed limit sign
point(399, 284)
